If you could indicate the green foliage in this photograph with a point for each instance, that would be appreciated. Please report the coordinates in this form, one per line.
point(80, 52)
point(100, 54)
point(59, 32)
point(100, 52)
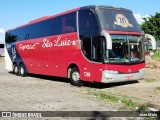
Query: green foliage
point(156, 55)
point(104, 96)
point(150, 80)
point(152, 25)
point(158, 88)
point(129, 103)
point(114, 98)
point(143, 107)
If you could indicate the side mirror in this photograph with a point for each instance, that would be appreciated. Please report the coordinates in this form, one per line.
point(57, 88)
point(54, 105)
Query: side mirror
point(152, 40)
point(108, 39)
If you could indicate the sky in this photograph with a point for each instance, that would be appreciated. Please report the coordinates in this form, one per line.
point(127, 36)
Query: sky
point(18, 12)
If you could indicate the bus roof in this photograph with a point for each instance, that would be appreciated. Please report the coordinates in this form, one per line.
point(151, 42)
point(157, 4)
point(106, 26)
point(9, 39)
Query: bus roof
point(106, 7)
point(69, 11)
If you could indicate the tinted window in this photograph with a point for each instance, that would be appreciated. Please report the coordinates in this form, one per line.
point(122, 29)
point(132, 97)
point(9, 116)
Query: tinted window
point(88, 30)
point(92, 48)
point(53, 26)
point(97, 49)
point(121, 20)
point(86, 47)
point(10, 37)
point(69, 23)
point(87, 21)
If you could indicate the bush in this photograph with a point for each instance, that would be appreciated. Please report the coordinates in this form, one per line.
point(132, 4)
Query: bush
point(156, 55)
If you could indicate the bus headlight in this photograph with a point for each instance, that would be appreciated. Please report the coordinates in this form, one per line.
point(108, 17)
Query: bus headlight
point(111, 72)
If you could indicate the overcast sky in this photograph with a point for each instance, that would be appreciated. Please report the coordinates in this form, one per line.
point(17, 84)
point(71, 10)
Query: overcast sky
point(17, 12)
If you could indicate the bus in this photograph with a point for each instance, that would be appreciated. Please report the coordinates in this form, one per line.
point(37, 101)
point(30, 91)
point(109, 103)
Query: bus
point(1, 49)
point(91, 43)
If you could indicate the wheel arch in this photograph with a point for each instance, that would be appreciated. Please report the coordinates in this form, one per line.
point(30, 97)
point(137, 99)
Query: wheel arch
point(70, 67)
point(21, 63)
point(14, 63)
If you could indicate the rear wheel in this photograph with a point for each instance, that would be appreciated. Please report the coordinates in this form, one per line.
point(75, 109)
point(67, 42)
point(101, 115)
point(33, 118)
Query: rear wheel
point(22, 70)
point(75, 77)
point(15, 69)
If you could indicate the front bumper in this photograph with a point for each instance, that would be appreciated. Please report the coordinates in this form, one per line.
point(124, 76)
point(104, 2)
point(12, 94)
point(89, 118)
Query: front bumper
point(114, 78)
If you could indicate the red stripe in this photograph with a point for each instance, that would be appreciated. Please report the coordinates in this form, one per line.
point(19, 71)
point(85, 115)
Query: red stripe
point(123, 32)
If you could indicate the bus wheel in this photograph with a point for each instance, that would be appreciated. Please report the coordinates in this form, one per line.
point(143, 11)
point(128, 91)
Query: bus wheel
point(75, 77)
point(15, 69)
point(22, 70)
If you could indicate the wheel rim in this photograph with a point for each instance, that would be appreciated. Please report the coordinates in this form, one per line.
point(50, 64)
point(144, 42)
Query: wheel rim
point(75, 76)
point(22, 71)
point(16, 69)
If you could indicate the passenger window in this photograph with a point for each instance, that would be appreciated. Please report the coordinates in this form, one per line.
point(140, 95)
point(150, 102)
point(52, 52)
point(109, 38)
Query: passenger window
point(69, 23)
point(86, 47)
point(89, 35)
point(97, 49)
point(92, 48)
point(55, 26)
point(49, 27)
point(87, 21)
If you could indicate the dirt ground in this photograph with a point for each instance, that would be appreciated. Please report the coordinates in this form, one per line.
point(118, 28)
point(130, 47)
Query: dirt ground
point(146, 90)
point(41, 93)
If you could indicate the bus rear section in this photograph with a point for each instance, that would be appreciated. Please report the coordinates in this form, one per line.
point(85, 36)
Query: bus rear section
point(92, 43)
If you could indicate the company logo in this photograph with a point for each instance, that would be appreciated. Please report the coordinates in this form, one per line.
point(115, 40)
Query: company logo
point(46, 43)
point(6, 114)
point(28, 46)
point(122, 21)
point(58, 42)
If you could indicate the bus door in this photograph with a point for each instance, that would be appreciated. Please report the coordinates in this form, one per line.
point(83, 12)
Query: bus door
point(88, 29)
point(86, 60)
point(92, 60)
point(97, 53)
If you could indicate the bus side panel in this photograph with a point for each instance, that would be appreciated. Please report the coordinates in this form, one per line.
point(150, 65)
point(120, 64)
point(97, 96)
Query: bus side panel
point(8, 61)
point(66, 51)
point(97, 71)
point(49, 55)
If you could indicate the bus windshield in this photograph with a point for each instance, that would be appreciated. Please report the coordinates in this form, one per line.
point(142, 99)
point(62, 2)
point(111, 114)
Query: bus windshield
point(117, 19)
point(125, 49)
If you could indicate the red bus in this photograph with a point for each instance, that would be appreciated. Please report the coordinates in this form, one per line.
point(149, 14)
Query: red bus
point(91, 43)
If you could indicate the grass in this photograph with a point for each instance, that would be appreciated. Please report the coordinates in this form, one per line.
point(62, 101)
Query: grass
point(125, 100)
point(150, 80)
point(156, 55)
point(158, 88)
point(103, 96)
point(143, 107)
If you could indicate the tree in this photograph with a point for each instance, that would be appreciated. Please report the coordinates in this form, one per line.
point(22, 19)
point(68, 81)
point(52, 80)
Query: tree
point(152, 25)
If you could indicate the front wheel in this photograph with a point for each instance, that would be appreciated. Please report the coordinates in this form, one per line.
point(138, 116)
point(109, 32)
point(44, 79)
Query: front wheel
point(22, 70)
point(75, 77)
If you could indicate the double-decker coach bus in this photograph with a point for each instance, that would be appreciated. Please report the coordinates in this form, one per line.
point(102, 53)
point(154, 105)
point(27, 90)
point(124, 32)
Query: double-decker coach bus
point(91, 43)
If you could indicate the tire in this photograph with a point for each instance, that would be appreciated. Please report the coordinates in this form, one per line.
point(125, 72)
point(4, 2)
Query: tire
point(15, 69)
point(22, 70)
point(75, 77)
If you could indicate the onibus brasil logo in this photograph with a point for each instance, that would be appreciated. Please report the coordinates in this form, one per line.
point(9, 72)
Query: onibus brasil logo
point(122, 21)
